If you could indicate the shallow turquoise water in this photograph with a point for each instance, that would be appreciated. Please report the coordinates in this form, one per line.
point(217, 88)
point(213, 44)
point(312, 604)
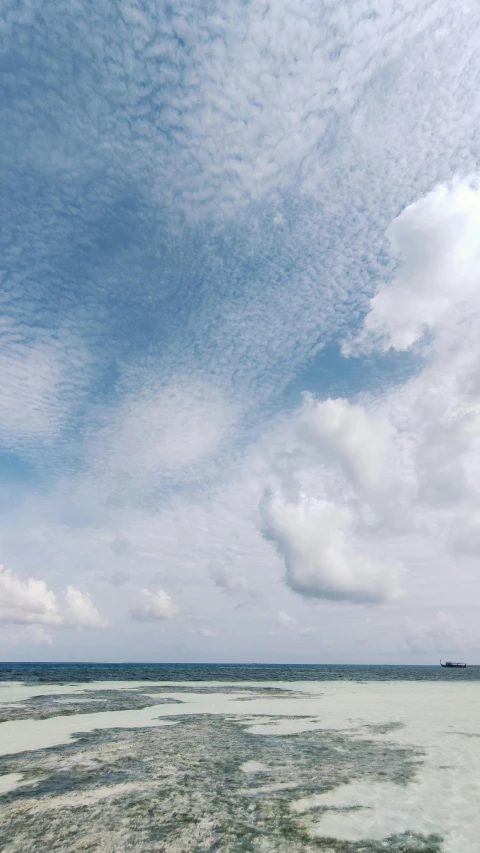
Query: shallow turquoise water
point(238, 759)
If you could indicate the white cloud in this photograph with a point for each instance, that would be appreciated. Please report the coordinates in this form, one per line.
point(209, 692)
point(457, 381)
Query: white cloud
point(406, 462)
point(311, 536)
point(80, 610)
point(26, 601)
point(155, 605)
point(438, 239)
point(436, 414)
point(349, 434)
point(32, 602)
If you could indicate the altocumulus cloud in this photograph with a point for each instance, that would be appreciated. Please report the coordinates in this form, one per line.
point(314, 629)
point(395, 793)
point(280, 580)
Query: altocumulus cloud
point(161, 433)
point(256, 105)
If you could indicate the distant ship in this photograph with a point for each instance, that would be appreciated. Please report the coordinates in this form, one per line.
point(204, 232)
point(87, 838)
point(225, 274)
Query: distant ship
point(451, 663)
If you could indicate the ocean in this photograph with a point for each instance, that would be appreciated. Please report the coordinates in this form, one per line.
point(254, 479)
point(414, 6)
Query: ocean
point(139, 758)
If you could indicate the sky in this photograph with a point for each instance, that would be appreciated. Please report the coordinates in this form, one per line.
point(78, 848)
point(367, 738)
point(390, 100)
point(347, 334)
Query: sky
point(239, 331)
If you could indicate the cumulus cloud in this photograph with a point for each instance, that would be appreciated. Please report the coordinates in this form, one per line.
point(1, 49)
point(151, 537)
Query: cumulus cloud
point(32, 602)
point(438, 239)
point(312, 538)
point(437, 411)
point(156, 605)
point(26, 601)
point(80, 610)
point(407, 461)
point(350, 435)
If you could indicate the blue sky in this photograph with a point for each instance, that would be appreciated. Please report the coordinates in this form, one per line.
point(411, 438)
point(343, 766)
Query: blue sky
point(196, 204)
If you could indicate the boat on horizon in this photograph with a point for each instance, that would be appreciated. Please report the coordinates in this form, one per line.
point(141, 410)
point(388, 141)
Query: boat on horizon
point(453, 663)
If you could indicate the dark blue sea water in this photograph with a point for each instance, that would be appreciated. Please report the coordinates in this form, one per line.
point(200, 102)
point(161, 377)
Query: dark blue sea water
point(62, 673)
